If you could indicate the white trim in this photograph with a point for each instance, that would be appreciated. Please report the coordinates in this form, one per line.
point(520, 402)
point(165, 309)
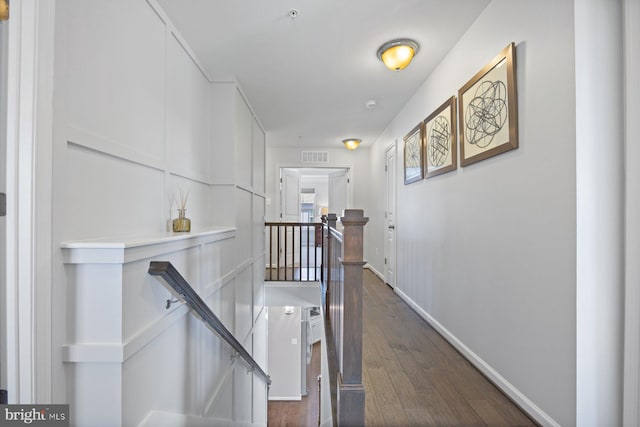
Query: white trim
point(121, 251)
point(29, 169)
point(631, 399)
point(285, 398)
point(223, 384)
point(120, 353)
point(509, 389)
point(181, 40)
point(172, 419)
point(278, 171)
point(43, 207)
point(98, 143)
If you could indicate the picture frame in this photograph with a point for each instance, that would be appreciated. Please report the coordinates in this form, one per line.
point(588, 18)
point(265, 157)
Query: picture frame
point(488, 110)
point(413, 154)
point(440, 139)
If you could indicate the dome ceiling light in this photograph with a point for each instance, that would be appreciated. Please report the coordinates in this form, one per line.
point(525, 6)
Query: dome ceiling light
point(351, 143)
point(397, 54)
point(4, 10)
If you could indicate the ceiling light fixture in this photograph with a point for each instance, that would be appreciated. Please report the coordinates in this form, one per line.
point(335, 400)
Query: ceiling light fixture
point(351, 143)
point(4, 10)
point(397, 54)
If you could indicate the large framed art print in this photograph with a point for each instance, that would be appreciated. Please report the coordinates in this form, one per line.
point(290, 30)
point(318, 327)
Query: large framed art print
point(440, 139)
point(413, 143)
point(488, 110)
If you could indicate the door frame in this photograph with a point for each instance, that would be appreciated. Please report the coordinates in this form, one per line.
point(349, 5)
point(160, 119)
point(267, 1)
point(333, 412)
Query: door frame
point(394, 252)
point(29, 138)
point(631, 377)
point(278, 194)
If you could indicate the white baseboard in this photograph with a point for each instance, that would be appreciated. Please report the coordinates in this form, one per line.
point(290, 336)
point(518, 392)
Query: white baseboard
point(514, 394)
point(374, 271)
point(172, 419)
point(286, 398)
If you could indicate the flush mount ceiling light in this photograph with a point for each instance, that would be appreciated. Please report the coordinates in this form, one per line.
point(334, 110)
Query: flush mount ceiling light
point(351, 143)
point(4, 10)
point(397, 54)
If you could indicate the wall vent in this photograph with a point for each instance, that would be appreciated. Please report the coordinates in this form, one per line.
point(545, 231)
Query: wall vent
point(315, 157)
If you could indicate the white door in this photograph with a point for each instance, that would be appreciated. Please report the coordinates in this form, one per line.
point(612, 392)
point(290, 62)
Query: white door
point(290, 212)
point(390, 217)
point(339, 191)
point(290, 195)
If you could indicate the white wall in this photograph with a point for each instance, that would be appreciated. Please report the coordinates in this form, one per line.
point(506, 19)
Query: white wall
point(134, 124)
point(285, 347)
point(488, 252)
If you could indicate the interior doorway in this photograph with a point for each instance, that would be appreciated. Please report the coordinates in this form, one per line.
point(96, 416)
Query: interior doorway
point(295, 243)
point(308, 193)
point(390, 217)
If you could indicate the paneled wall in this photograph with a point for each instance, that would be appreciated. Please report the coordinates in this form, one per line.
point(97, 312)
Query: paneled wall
point(137, 123)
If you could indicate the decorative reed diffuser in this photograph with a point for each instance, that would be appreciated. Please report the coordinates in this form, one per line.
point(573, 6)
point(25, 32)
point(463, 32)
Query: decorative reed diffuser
point(182, 223)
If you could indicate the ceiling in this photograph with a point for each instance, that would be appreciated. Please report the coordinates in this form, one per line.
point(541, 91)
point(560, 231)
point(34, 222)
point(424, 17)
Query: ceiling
point(308, 79)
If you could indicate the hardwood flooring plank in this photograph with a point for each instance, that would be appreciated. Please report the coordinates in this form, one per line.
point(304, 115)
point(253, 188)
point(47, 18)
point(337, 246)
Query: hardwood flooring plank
point(488, 413)
point(413, 376)
point(421, 417)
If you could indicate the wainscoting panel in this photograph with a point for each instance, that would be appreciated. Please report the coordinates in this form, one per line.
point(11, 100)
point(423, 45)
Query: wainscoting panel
point(243, 142)
point(115, 65)
point(100, 200)
point(127, 350)
point(244, 224)
point(244, 302)
point(187, 113)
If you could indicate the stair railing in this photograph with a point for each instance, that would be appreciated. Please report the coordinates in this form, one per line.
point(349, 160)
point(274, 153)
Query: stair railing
point(342, 292)
point(294, 251)
point(178, 283)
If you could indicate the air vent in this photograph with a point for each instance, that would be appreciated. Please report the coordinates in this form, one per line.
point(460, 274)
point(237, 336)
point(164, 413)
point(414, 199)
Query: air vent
point(315, 157)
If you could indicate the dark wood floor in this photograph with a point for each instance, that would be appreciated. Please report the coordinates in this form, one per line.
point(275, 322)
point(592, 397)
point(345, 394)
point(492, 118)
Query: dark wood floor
point(413, 376)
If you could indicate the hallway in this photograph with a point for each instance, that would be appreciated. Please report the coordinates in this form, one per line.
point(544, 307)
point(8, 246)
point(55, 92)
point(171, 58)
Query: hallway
point(412, 376)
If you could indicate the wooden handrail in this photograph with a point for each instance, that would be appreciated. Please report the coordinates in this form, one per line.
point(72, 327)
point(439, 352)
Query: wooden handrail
point(294, 224)
point(178, 283)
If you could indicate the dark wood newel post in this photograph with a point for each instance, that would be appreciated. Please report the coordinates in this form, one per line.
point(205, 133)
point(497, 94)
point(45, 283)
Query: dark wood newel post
point(350, 387)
